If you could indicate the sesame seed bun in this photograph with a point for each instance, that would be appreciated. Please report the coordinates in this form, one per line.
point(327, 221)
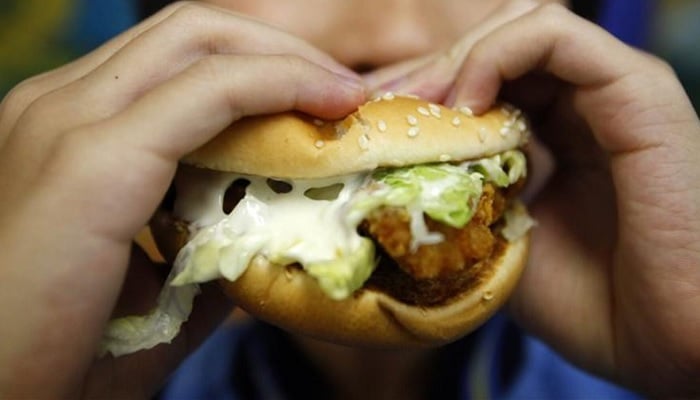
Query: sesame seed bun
point(391, 131)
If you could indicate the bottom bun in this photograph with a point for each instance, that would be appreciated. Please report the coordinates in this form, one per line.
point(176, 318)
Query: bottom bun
point(290, 299)
point(287, 297)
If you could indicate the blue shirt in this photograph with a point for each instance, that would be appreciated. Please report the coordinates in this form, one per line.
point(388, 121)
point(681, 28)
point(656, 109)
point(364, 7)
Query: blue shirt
point(498, 361)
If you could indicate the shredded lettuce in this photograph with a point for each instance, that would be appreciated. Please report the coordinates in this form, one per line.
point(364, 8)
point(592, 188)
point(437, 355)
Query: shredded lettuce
point(341, 277)
point(502, 169)
point(518, 222)
point(137, 332)
point(447, 193)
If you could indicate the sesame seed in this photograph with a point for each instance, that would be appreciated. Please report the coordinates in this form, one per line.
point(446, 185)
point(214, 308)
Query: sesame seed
point(456, 121)
point(466, 111)
point(413, 131)
point(483, 133)
point(423, 111)
point(504, 131)
point(318, 122)
point(505, 111)
point(435, 110)
point(412, 120)
point(445, 157)
point(508, 123)
point(388, 96)
point(363, 141)
point(488, 295)
point(340, 130)
point(381, 125)
point(411, 96)
point(319, 144)
point(521, 126)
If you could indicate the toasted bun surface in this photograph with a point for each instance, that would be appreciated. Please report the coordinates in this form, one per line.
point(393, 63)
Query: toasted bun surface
point(395, 132)
point(289, 298)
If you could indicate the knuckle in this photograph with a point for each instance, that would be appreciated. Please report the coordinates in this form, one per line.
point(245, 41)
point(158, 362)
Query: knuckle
point(71, 142)
point(189, 13)
point(662, 66)
point(19, 98)
point(554, 17)
point(195, 25)
point(654, 67)
point(554, 10)
point(175, 6)
point(40, 108)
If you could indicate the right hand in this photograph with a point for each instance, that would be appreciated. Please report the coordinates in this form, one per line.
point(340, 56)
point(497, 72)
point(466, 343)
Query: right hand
point(87, 152)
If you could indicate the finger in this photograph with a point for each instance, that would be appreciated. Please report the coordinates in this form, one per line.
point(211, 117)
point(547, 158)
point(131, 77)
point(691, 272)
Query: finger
point(542, 40)
point(181, 38)
point(192, 33)
point(382, 80)
point(607, 74)
point(564, 293)
point(433, 79)
point(103, 182)
point(141, 145)
point(635, 107)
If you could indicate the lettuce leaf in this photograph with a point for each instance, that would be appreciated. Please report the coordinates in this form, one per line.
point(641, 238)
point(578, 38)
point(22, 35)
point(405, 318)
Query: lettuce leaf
point(129, 334)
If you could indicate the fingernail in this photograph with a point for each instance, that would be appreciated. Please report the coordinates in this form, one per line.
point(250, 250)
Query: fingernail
point(454, 99)
point(451, 97)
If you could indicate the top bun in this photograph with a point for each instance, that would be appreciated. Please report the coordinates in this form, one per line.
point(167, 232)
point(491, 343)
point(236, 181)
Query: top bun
point(390, 131)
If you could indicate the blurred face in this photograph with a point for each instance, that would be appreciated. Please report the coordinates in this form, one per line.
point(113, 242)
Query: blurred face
point(366, 34)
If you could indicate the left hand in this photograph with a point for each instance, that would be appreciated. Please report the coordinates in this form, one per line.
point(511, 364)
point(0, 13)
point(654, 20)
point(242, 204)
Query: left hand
point(614, 276)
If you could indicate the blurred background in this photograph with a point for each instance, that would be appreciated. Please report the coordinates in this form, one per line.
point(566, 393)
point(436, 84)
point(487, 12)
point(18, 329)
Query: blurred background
point(38, 35)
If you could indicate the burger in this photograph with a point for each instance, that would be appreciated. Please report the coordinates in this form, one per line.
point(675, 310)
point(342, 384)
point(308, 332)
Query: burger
point(397, 226)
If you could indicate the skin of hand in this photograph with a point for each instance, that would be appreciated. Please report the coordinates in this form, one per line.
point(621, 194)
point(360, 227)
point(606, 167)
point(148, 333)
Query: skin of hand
point(613, 281)
point(87, 152)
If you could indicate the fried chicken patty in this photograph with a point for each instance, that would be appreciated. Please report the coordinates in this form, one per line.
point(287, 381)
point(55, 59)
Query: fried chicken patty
point(461, 247)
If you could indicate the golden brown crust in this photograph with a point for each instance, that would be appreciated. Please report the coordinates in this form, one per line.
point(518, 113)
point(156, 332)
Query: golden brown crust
point(396, 132)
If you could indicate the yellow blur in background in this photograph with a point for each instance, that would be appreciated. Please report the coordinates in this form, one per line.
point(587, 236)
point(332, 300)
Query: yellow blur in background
point(39, 35)
point(27, 30)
